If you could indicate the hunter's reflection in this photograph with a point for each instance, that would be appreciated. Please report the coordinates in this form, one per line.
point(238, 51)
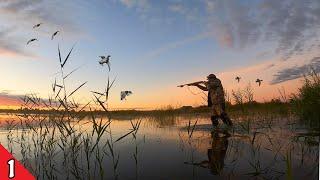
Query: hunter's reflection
point(216, 154)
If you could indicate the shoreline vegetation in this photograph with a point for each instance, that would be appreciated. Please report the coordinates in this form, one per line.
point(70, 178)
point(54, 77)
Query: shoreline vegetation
point(302, 105)
point(305, 105)
point(275, 107)
point(272, 105)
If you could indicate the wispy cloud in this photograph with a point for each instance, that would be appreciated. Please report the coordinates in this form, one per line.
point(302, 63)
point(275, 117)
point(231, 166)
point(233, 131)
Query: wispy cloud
point(189, 12)
point(263, 54)
point(269, 66)
point(168, 47)
point(11, 45)
point(138, 4)
point(25, 13)
point(19, 16)
point(292, 25)
point(297, 71)
point(210, 4)
point(179, 8)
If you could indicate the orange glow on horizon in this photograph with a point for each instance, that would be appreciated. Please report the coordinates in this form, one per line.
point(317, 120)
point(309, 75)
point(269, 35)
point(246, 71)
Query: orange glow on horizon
point(182, 96)
point(9, 103)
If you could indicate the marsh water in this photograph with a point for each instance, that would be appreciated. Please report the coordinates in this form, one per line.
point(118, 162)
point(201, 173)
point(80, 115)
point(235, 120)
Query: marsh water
point(183, 147)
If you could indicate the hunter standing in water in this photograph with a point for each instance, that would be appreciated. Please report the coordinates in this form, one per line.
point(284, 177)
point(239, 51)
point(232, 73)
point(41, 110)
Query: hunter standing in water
point(216, 99)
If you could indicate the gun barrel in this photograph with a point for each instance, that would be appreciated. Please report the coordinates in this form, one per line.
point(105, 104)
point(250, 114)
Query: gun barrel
point(188, 84)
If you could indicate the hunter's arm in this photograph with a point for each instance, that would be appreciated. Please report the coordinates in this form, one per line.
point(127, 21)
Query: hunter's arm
point(203, 88)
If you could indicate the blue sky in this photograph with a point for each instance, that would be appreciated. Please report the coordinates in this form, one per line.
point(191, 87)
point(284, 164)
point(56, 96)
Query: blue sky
point(154, 45)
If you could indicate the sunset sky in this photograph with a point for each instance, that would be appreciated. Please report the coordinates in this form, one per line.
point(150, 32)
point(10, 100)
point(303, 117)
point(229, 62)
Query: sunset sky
point(157, 45)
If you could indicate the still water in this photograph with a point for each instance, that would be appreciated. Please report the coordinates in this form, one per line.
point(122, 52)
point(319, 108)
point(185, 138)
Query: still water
point(167, 147)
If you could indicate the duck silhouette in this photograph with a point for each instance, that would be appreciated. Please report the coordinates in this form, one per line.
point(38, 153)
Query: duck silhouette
point(124, 94)
point(54, 34)
point(37, 25)
point(31, 40)
point(259, 81)
point(238, 78)
point(105, 60)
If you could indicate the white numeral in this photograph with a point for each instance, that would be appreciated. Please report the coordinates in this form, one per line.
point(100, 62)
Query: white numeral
point(11, 168)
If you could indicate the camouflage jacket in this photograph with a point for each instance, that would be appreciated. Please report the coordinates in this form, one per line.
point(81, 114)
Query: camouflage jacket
point(215, 92)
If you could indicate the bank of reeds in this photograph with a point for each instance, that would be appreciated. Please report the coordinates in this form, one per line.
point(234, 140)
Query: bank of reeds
point(306, 102)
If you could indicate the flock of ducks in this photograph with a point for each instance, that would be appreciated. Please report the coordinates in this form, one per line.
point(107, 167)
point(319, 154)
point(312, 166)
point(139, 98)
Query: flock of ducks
point(38, 26)
point(257, 81)
point(103, 60)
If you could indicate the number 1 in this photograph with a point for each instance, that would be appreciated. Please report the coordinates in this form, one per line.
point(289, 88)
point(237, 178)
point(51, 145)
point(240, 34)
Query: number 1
point(11, 168)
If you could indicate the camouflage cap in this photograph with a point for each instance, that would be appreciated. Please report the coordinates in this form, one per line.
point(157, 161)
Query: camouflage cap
point(211, 76)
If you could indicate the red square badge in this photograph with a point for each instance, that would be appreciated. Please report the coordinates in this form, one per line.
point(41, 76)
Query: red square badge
point(10, 168)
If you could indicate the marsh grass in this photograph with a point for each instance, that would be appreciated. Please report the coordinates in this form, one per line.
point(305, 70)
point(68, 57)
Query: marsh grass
point(288, 160)
point(191, 128)
point(135, 128)
point(55, 145)
point(307, 102)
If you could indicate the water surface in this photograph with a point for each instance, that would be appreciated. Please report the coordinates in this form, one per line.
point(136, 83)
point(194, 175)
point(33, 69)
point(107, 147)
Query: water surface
point(167, 147)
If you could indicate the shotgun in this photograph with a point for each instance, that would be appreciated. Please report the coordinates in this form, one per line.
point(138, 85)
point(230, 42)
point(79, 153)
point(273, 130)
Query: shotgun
point(194, 83)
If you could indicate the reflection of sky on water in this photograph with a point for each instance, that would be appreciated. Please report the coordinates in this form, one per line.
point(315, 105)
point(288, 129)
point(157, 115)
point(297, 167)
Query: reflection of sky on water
point(166, 151)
